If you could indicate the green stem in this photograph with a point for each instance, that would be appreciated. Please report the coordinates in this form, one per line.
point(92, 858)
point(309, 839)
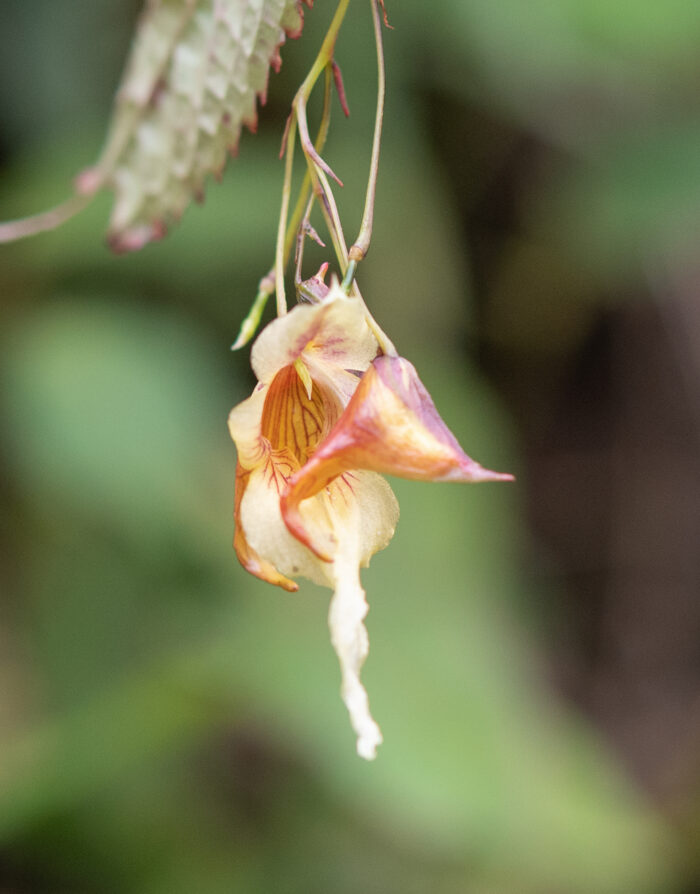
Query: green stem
point(329, 209)
point(361, 245)
point(316, 166)
point(250, 324)
point(267, 283)
point(346, 284)
point(322, 63)
point(281, 229)
point(321, 186)
point(301, 238)
point(321, 136)
point(325, 54)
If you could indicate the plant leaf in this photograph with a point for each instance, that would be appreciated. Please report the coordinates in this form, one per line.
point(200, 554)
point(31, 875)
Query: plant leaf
point(196, 70)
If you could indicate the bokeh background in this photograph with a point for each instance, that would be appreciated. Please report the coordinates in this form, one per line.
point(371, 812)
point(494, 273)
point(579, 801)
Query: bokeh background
point(169, 724)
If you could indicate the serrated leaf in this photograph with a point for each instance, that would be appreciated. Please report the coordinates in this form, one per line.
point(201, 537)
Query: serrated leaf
point(193, 79)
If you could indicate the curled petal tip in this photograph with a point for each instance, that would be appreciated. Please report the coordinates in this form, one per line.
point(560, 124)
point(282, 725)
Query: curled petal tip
point(478, 473)
point(367, 747)
point(295, 525)
point(289, 586)
point(262, 569)
point(501, 476)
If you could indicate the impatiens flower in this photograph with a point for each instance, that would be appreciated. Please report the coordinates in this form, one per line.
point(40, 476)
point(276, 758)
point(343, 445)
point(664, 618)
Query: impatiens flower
point(327, 416)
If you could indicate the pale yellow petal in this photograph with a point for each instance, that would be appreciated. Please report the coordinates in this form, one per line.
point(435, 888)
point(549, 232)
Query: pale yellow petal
point(334, 379)
point(358, 508)
point(377, 512)
point(244, 427)
point(269, 537)
point(248, 558)
point(368, 526)
point(334, 331)
point(345, 340)
point(354, 518)
point(351, 643)
point(370, 491)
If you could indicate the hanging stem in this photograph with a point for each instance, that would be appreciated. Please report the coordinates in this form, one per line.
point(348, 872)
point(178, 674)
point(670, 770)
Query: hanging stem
point(329, 209)
point(361, 245)
point(317, 170)
point(317, 175)
point(321, 136)
point(305, 229)
point(325, 54)
point(267, 284)
point(323, 62)
point(281, 229)
point(46, 220)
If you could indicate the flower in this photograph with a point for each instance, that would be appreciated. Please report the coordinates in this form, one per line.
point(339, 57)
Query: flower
point(326, 417)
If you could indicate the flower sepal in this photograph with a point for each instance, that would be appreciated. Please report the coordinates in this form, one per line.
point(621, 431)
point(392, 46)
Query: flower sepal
point(390, 426)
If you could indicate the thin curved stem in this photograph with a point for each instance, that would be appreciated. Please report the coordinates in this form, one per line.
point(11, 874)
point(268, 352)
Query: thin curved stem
point(319, 180)
point(267, 284)
point(361, 245)
point(325, 54)
point(321, 136)
point(304, 230)
point(316, 167)
point(350, 271)
point(46, 220)
point(329, 209)
point(284, 212)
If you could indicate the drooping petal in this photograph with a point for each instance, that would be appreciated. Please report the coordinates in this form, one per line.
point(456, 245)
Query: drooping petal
point(244, 423)
point(369, 512)
point(333, 332)
point(266, 468)
point(266, 534)
point(390, 426)
point(349, 637)
point(354, 518)
point(275, 430)
point(247, 556)
point(309, 364)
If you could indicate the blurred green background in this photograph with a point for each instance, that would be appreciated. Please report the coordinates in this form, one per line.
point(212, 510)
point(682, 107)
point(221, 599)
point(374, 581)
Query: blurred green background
point(169, 724)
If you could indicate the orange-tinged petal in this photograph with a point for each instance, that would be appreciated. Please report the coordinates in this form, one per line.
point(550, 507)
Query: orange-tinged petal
point(293, 418)
point(390, 426)
point(247, 556)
